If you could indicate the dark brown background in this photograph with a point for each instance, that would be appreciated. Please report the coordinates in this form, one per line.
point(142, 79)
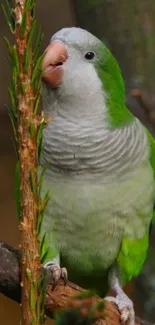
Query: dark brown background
point(128, 28)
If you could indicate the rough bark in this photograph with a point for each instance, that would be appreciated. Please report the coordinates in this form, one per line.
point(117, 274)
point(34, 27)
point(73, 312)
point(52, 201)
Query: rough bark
point(59, 298)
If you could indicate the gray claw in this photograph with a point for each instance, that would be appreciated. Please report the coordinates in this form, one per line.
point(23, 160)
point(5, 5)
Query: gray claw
point(58, 273)
point(64, 275)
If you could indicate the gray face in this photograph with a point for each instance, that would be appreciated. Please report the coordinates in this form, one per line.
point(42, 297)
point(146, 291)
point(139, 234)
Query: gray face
point(80, 77)
point(81, 91)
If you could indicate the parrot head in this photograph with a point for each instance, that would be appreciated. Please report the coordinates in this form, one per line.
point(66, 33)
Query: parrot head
point(69, 62)
point(78, 66)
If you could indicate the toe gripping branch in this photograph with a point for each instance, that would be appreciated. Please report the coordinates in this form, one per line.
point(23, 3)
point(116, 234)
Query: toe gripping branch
point(56, 273)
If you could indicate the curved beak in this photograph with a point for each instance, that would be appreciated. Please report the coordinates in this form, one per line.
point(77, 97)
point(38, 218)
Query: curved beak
point(55, 56)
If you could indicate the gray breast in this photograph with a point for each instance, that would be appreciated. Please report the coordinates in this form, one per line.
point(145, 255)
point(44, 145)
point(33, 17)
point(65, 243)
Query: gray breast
point(91, 147)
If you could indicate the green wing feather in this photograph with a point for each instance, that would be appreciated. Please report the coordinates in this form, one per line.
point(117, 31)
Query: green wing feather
point(132, 256)
point(133, 252)
point(152, 159)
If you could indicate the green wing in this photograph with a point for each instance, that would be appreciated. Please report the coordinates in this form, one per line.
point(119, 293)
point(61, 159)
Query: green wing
point(152, 159)
point(133, 252)
point(132, 256)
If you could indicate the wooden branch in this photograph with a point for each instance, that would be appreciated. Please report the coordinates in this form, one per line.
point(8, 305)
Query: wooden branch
point(59, 298)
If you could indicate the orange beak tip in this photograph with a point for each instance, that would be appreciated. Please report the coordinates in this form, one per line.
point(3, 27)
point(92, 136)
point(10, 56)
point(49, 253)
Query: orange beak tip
point(56, 55)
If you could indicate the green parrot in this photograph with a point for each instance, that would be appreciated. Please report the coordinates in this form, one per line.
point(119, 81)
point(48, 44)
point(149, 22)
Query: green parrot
point(101, 174)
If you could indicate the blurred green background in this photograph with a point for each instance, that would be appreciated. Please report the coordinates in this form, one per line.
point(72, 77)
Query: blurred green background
point(128, 29)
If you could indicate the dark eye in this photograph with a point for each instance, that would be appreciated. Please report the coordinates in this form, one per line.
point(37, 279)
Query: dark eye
point(89, 55)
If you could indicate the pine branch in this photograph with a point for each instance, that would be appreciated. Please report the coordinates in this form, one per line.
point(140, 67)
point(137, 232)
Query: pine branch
point(24, 90)
point(27, 145)
point(58, 299)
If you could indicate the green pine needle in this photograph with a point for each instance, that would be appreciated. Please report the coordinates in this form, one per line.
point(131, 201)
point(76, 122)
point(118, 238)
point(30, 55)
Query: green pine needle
point(33, 181)
point(13, 100)
point(37, 69)
point(32, 33)
point(15, 59)
point(23, 26)
point(36, 105)
point(37, 45)
point(8, 19)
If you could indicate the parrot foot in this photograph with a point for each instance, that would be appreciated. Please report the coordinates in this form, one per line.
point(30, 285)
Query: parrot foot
point(57, 273)
point(125, 306)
